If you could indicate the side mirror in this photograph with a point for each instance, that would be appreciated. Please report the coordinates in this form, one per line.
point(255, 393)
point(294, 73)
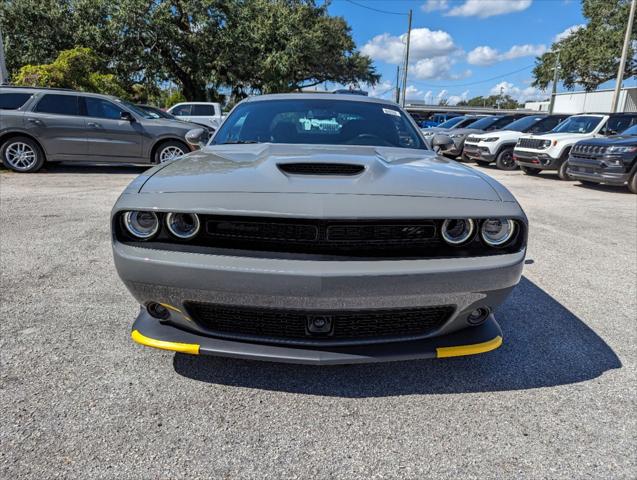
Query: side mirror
point(197, 137)
point(127, 116)
point(441, 142)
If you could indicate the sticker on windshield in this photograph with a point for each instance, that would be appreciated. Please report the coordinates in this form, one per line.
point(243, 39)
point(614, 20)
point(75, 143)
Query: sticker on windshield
point(389, 111)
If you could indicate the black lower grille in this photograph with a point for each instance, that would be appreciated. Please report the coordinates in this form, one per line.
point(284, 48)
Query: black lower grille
point(273, 325)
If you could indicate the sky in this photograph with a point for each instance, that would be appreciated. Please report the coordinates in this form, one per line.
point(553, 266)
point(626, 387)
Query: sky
point(460, 48)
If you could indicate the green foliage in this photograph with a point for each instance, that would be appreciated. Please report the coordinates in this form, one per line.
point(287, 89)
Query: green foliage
point(492, 101)
point(590, 55)
point(202, 45)
point(78, 69)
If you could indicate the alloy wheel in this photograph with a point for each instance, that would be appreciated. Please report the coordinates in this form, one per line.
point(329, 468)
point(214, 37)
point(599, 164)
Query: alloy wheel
point(20, 156)
point(170, 152)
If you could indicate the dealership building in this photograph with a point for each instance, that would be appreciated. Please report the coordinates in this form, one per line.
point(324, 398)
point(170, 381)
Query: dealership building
point(583, 102)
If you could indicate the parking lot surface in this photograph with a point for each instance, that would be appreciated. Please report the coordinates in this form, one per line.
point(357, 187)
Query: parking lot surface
point(79, 399)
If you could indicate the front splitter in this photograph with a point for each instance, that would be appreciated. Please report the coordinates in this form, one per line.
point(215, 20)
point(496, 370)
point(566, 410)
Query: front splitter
point(470, 341)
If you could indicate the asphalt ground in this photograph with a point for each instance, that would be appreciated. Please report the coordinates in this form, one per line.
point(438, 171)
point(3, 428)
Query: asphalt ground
point(78, 399)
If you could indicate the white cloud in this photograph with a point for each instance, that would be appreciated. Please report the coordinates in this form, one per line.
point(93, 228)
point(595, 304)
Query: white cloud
point(414, 93)
point(455, 99)
point(429, 97)
point(520, 94)
point(572, 29)
point(424, 43)
point(431, 68)
point(380, 89)
point(441, 94)
point(485, 55)
point(433, 5)
point(489, 8)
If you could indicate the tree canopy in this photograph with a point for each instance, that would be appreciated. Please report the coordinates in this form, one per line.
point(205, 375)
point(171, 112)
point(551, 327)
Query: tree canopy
point(202, 45)
point(589, 56)
point(492, 101)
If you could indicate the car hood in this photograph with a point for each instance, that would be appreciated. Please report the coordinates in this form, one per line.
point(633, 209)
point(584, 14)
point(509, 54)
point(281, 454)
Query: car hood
point(464, 131)
point(619, 140)
point(168, 122)
point(256, 169)
point(560, 136)
point(501, 134)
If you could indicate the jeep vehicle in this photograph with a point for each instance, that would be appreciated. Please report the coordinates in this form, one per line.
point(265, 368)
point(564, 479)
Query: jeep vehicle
point(39, 125)
point(498, 146)
point(611, 160)
point(463, 121)
point(550, 151)
point(457, 137)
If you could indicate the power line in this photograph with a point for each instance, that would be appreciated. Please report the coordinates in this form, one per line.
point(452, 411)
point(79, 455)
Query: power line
point(478, 82)
point(375, 9)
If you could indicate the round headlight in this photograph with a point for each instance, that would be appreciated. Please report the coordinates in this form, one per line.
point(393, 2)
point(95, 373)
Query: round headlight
point(457, 231)
point(183, 225)
point(141, 224)
point(497, 231)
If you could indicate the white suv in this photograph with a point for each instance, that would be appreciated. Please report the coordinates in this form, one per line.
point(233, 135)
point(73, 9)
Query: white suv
point(498, 146)
point(203, 113)
point(550, 151)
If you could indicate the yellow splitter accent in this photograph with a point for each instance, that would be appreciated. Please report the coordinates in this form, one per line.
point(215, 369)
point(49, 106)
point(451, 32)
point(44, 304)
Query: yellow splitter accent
point(191, 348)
point(474, 349)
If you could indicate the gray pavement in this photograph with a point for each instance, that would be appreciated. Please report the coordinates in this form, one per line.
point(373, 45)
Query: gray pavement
point(80, 400)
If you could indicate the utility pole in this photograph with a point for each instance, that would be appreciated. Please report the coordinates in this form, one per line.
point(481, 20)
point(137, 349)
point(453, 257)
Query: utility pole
point(555, 77)
point(4, 75)
point(406, 60)
point(622, 62)
point(500, 98)
point(397, 83)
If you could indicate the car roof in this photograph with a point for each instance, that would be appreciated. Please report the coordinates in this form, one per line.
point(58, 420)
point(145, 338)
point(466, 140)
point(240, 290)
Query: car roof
point(61, 91)
point(319, 96)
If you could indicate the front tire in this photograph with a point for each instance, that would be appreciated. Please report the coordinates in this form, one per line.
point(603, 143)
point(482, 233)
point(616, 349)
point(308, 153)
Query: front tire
point(632, 183)
point(22, 154)
point(530, 170)
point(505, 160)
point(562, 173)
point(170, 150)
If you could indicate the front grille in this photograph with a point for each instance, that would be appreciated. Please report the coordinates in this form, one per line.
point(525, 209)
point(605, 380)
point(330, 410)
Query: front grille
point(535, 143)
point(274, 325)
point(316, 236)
point(472, 140)
point(321, 168)
point(588, 151)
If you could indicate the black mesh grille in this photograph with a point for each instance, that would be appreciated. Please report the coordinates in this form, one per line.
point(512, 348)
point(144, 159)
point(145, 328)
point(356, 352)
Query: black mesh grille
point(530, 142)
point(321, 168)
point(291, 326)
point(320, 235)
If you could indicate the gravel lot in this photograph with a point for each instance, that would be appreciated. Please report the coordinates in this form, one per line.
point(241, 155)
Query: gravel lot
point(80, 400)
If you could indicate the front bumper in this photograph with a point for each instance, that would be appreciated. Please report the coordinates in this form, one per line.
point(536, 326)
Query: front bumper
point(173, 278)
point(541, 161)
point(597, 170)
point(486, 337)
point(475, 152)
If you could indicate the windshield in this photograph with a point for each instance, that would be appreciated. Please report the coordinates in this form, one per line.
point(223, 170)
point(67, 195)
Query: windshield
point(139, 111)
point(319, 122)
point(582, 124)
point(630, 131)
point(155, 112)
point(451, 122)
point(485, 123)
point(524, 123)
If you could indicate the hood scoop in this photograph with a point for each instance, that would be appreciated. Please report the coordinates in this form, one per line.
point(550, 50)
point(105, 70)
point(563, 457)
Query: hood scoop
point(314, 168)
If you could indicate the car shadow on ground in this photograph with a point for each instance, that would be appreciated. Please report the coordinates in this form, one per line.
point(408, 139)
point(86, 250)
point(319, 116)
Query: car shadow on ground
point(544, 345)
point(93, 168)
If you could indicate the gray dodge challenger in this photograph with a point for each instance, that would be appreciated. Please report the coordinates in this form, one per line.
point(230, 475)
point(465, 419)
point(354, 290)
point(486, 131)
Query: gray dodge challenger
point(319, 229)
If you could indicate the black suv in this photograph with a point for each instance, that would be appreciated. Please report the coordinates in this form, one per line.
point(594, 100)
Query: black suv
point(611, 160)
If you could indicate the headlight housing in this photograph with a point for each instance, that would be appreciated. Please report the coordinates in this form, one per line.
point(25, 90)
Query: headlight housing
point(491, 139)
point(183, 225)
point(458, 231)
point(456, 135)
point(141, 224)
point(497, 231)
point(545, 144)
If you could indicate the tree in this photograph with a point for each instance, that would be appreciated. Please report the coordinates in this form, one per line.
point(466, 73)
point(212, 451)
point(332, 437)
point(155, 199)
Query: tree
point(590, 55)
point(492, 101)
point(202, 45)
point(78, 69)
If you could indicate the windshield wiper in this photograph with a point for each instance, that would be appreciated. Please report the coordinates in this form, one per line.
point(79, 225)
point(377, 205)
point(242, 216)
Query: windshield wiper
point(235, 142)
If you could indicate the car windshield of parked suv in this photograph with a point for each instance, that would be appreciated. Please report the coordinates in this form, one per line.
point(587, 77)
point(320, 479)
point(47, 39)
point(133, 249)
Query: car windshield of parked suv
point(155, 112)
point(451, 122)
point(630, 131)
point(581, 124)
point(139, 111)
point(486, 122)
point(319, 122)
point(525, 123)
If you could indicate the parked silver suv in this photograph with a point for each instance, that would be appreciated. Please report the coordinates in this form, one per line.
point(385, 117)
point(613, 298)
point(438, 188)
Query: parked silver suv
point(40, 125)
